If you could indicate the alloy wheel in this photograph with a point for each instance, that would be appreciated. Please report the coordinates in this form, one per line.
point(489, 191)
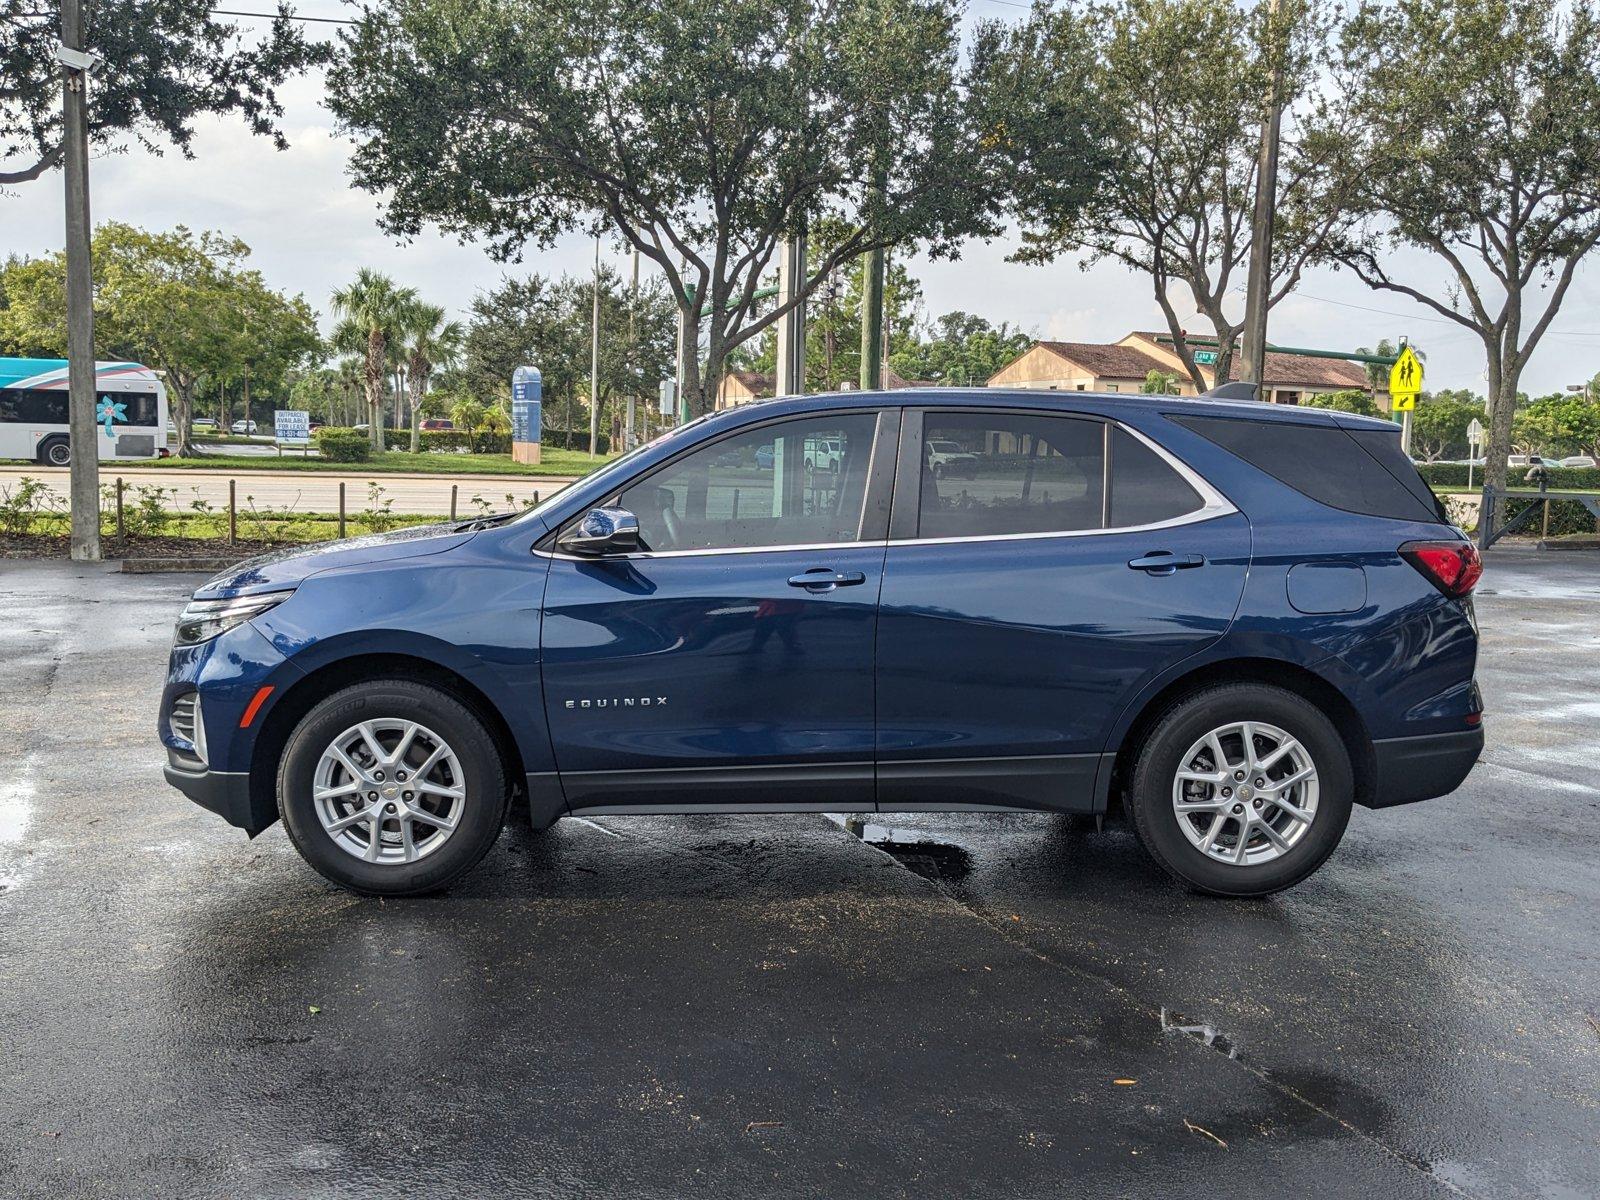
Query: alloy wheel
point(1245, 793)
point(389, 791)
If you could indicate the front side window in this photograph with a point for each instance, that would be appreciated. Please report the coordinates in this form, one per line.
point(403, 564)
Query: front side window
point(987, 475)
point(796, 483)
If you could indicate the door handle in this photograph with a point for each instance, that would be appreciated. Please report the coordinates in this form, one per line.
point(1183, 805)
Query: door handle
point(825, 579)
point(1164, 562)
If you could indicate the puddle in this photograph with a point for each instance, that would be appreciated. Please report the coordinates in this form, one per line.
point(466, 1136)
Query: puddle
point(1205, 1034)
point(917, 852)
point(16, 814)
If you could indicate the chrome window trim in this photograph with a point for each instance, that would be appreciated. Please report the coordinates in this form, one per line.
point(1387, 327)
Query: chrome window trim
point(1213, 504)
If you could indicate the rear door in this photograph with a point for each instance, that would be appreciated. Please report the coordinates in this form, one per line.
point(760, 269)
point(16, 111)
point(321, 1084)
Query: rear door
point(1025, 601)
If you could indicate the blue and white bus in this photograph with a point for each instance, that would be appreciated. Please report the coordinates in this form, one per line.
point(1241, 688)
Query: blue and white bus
point(130, 410)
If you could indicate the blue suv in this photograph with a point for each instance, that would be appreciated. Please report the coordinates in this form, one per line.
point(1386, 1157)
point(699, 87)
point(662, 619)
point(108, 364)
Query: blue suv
point(1235, 620)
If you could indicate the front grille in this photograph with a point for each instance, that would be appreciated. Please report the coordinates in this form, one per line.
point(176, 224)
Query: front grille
point(186, 725)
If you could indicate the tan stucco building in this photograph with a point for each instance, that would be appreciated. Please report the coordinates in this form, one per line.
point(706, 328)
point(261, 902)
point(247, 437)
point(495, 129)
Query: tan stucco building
point(1122, 367)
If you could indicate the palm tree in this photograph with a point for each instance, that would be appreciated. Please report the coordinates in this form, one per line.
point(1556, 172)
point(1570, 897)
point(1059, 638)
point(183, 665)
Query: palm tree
point(371, 308)
point(431, 343)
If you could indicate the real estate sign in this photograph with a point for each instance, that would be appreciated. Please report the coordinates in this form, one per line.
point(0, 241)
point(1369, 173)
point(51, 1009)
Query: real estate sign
point(291, 425)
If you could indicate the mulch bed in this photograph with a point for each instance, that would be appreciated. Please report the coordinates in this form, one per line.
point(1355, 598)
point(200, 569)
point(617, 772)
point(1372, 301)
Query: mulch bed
point(45, 545)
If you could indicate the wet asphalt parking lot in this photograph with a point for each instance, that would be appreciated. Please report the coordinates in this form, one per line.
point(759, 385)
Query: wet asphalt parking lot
point(1006, 1006)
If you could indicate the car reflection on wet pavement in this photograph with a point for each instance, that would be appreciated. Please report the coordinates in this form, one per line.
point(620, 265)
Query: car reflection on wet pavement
point(900, 1005)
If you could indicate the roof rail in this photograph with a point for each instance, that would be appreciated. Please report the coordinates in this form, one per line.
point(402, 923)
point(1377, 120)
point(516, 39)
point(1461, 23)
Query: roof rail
point(1235, 390)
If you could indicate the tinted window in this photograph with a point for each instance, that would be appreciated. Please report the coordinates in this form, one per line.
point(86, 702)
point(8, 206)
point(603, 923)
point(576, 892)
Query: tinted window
point(989, 474)
point(139, 408)
point(31, 406)
point(798, 483)
point(1325, 463)
point(1144, 489)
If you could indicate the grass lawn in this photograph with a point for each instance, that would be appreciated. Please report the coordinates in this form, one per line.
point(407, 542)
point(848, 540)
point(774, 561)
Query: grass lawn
point(556, 462)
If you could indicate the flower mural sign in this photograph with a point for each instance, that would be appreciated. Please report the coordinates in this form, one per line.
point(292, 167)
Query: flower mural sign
point(109, 410)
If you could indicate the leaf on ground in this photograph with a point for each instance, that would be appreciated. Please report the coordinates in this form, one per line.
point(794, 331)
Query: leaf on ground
point(1204, 1132)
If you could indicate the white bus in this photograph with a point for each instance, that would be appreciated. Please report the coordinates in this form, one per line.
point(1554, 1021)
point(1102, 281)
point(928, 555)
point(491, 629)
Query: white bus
point(130, 411)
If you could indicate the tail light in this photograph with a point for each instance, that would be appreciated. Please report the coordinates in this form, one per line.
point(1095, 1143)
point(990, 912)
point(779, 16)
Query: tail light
point(1452, 567)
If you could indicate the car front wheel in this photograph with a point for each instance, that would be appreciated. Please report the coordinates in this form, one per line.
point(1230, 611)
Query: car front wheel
point(392, 788)
point(1242, 790)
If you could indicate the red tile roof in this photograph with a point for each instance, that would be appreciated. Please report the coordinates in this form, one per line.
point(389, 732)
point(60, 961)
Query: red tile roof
point(1108, 361)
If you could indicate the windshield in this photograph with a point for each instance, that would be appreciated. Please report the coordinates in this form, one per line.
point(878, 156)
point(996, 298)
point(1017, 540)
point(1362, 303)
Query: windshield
point(620, 464)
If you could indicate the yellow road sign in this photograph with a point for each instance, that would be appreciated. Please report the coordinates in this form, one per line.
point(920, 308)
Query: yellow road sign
point(1405, 381)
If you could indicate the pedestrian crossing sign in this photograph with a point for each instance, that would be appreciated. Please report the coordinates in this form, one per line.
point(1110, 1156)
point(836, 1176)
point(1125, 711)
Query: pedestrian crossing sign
point(1405, 381)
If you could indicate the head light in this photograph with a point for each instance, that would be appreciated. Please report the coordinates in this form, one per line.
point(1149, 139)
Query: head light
point(203, 620)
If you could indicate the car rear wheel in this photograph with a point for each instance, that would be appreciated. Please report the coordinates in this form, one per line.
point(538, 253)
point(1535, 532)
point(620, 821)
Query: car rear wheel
point(392, 788)
point(1242, 790)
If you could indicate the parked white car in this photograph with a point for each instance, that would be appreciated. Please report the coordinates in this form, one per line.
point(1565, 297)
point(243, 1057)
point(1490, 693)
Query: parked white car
point(1577, 460)
point(243, 427)
point(951, 458)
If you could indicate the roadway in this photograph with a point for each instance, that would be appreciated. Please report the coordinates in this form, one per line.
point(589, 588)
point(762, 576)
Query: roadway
point(315, 491)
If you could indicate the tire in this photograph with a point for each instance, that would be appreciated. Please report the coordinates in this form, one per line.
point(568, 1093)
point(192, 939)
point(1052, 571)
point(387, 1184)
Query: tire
point(410, 861)
point(1325, 796)
point(55, 452)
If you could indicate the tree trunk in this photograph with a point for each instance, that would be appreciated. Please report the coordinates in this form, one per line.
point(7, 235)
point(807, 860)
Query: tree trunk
point(694, 397)
point(1502, 408)
point(374, 381)
point(418, 383)
point(183, 417)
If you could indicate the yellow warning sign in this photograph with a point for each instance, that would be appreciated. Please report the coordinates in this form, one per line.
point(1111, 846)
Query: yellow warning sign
point(1405, 381)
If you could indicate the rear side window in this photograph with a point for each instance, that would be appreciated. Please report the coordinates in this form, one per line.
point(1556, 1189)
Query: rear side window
point(1362, 472)
point(986, 475)
point(1144, 489)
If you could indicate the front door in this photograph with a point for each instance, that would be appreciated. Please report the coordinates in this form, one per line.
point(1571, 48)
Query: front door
point(1042, 568)
point(730, 660)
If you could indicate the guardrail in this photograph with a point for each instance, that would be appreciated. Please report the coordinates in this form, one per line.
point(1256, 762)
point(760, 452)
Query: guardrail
point(1491, 528)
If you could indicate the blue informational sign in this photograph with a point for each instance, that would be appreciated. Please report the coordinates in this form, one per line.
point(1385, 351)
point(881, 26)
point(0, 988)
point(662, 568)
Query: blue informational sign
point(527, 397)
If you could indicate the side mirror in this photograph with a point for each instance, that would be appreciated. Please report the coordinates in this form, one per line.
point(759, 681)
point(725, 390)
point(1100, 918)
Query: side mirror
point(603, 531)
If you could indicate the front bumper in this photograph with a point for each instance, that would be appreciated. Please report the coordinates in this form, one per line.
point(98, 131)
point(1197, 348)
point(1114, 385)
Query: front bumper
point(1410, 769)
point(226, 793)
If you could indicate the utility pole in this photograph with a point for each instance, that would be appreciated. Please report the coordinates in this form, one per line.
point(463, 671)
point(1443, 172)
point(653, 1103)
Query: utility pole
point(1259, 279)
point(792, 324)
point(633, 356)
point(872, 320)
point(84, 484)
point(594, 357)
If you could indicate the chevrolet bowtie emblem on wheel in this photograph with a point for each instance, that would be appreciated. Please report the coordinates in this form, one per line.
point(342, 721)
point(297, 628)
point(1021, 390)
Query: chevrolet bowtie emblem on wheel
point(620, 702)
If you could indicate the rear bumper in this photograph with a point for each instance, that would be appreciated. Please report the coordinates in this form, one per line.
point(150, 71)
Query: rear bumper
point(1419, 768)
point(225, 793)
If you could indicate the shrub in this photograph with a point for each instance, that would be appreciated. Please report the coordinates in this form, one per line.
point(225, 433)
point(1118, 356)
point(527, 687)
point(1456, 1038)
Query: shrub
point(1455, 475)
point(449, 441)
point(343, 445)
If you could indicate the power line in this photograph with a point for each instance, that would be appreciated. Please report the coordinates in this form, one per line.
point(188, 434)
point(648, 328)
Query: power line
point(1389, 312)
point(268, 16)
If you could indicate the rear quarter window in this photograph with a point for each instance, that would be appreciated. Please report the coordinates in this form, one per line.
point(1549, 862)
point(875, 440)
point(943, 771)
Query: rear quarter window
point(1360, 471)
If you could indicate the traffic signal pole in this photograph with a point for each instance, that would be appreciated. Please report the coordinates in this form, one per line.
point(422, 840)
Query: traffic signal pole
point(84, 482)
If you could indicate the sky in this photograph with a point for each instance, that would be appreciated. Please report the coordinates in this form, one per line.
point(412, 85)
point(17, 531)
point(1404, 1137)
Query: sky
point(309, 231)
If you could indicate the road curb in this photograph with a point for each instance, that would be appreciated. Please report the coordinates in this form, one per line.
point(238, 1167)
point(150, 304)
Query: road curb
point(155, 566)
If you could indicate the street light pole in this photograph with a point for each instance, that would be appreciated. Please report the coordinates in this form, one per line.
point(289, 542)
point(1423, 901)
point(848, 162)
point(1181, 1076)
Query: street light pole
point(594, 357)
point(84, 483)
point(1260, 276)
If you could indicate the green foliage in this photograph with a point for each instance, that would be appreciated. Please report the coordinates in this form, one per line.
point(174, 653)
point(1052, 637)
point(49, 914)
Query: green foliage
point(182, 302)
point(378, 516)
point(1559, 425)
point(1439, 426)
point(700, 133)
point(1160, 101)
point(162, 68)
point(1351, 400)
point(1454, 475)
point(343, 445)
point(1491, 166)
point(23, 503)
point(454, 441)
point(1159, 383)
point(372, 312)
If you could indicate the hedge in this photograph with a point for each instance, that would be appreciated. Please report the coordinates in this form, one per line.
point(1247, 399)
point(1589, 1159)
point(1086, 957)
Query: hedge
point(343, 445)
point(450, 441)
point(1455, 475)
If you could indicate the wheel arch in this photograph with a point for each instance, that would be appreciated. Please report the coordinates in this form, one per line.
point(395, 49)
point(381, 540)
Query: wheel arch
point(316, 685)
point(1292, 677)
